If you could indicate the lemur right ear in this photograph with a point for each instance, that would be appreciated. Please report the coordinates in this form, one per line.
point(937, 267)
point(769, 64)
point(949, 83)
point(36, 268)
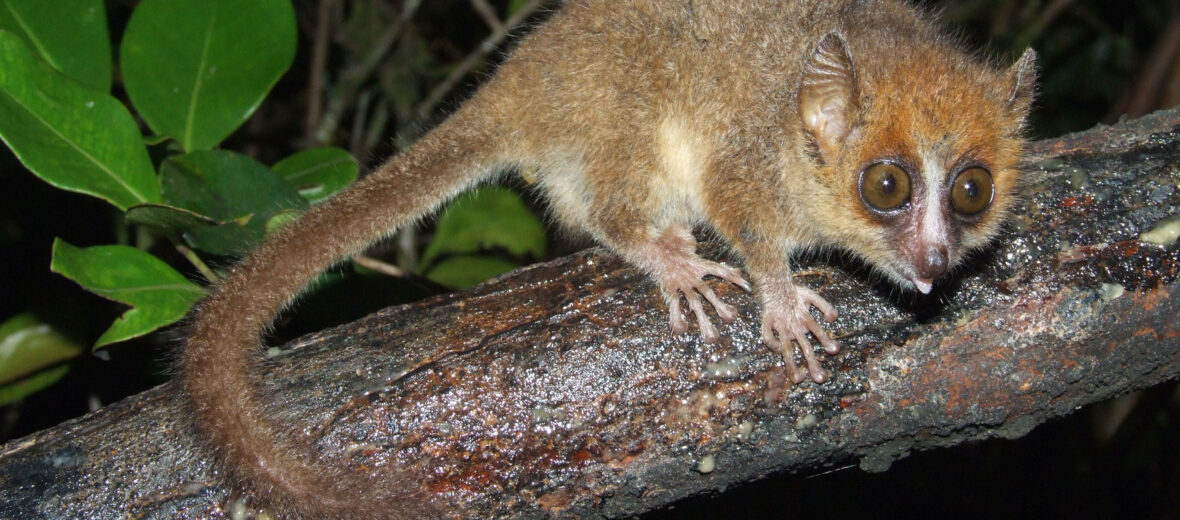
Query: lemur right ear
point(1022, 76)
point(827, 97)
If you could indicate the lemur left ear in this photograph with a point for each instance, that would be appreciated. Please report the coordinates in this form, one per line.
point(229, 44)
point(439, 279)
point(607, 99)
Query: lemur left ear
point(827, 97)
point(1022, 76)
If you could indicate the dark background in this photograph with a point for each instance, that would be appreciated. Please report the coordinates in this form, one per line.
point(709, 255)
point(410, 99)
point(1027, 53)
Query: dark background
point(1100, 60)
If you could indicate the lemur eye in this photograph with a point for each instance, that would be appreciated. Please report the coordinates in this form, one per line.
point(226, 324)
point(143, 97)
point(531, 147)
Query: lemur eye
point(885, 186)
point(972, 191)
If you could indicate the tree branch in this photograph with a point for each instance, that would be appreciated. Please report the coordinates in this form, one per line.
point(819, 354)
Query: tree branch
point(559, 390)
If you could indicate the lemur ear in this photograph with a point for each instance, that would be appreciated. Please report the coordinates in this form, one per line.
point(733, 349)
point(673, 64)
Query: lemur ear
point(1022, 78)
point(827, 98)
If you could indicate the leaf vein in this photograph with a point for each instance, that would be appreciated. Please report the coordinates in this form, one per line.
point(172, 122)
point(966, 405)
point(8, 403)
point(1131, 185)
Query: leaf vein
point(81, 151)
point(192, 103)
point(32, 36)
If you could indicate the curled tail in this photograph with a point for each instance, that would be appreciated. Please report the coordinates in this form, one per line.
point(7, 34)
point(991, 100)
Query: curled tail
point(281, 474)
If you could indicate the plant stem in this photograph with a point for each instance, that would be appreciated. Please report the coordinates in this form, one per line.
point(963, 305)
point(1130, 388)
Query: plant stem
point(198, 263)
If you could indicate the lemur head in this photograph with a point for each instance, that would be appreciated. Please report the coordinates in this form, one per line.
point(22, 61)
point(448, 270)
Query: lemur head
point(918, 146)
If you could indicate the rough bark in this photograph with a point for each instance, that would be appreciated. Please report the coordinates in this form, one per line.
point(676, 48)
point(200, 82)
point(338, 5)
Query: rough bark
point(558, 390)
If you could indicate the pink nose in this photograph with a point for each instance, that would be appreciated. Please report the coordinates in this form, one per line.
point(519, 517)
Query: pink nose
point(933, 263)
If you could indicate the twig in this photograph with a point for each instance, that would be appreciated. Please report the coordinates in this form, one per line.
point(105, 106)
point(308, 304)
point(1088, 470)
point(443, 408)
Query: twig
point(358, 122)
point(488, 14)
point(376, 265)
point(315, 76)
point(427, 106)
point(375, 130)
point(1164, 58)
point(1047, 16)
point(201, 266)
point(354, 76)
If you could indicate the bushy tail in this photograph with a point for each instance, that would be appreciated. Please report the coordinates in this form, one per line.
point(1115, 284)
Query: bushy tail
point(280, 473)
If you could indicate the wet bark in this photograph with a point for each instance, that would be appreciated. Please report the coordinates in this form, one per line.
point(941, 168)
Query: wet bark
point(558, 389)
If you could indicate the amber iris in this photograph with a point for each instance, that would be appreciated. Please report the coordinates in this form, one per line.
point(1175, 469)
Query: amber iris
point(972, 191)
point(885, 187)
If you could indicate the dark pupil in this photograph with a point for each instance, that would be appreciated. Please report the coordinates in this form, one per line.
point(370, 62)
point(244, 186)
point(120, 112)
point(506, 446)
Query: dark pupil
point(971, 189)
point(888, 184)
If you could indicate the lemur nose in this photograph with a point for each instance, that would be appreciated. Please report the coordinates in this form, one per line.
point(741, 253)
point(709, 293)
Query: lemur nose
point(934, 263)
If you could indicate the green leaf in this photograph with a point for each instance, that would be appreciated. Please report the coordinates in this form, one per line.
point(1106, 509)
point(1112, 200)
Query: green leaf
point(196, 69)
point(28, 345)
point(12, 392)
point(461, 272)
point(280, 219)
point(153, 140)
point(70, 136)
point(318, 173)
point(71, 35)
point(157, 293)
point(233, 189)
point(165, 217)
point(170, 220)
point(487, 218)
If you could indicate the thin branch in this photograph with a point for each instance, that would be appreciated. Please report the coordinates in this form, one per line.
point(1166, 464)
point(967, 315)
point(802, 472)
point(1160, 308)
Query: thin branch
point(427, 106)
point(353, 77)
point(201, 266)
point(1047, 16)
point(488, 14)
point(318, 68)
point(375, 129)
point(376, 265)
point(358, 122)
point(1164, 57)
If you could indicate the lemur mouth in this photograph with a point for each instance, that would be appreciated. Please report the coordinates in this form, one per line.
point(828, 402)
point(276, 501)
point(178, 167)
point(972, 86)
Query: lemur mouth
point(923, 285)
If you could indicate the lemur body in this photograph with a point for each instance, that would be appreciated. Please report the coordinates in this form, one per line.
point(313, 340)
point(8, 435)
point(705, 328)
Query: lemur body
point(776, 125)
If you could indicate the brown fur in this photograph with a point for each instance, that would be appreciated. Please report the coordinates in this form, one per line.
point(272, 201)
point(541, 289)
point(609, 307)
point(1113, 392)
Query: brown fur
point(643, 118)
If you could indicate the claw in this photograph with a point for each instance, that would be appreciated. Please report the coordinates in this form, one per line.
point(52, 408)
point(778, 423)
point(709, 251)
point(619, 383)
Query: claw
point(732, 275)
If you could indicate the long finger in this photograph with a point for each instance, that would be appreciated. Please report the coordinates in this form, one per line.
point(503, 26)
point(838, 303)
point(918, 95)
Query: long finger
point(814, 299)
point(675, 317)
point(817, 373)
point(708, 331)
point(724, 310)
point(817, 330)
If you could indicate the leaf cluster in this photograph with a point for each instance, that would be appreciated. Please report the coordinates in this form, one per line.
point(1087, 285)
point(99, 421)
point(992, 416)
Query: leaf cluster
point(191, 73)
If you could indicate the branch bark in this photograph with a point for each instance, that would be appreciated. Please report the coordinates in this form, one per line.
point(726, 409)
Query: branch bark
point(558, 390)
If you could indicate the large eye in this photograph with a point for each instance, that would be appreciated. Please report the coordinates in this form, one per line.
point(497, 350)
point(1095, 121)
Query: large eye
point(972, 191)
point(884, 186)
